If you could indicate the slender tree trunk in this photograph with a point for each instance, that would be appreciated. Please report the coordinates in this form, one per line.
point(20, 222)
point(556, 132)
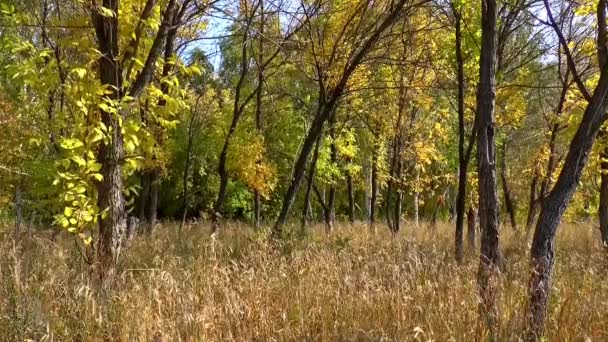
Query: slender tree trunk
point(236, 116)
point(153, 201)
point(331, 202)
point(397, 211)
point(187, 171)
point(169, 53)
point(533, 204)
point(143, 196)
point(387, 205)
point(510, 205)
point(488, 197)
point(460, 207)
point(258, 106)
point(463, 164)
point(471, 228)
point(351, 198)
point(603, 206)
point(311, 180)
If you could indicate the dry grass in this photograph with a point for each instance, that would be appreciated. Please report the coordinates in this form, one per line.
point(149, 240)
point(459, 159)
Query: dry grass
point(351, 285)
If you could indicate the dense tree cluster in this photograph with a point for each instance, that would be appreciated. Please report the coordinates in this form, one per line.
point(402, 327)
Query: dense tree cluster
point(285, 113)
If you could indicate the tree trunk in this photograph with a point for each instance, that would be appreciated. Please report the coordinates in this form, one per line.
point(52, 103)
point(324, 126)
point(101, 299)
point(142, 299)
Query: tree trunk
point(144, 195)
point(510, 205)
point(463, 157)
point(471, 228)
point(387, 205)
point(533, 204)
point(187, 169)
point(110, 198)
point(554, 205)
point(603, 206)
point(153, 200)
point(331, 202)
point(326, 108)
point(237, 111)
point(351, 198)
point(488, 197)
point(397, 212)
point(307, 210)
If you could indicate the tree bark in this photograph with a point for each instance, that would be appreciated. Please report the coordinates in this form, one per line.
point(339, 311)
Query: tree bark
point(488, 197)
point(110, 198)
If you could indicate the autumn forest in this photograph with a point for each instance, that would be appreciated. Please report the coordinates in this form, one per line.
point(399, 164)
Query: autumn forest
point(211, 170)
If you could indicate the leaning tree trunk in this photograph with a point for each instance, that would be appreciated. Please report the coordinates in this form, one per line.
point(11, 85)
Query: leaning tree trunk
point(554, 205)
point(307, 210)
point(603, 207)
point(488, 197)
point(326, 108)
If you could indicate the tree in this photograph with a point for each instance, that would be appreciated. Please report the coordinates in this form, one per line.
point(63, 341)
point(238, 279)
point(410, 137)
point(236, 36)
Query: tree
point(486, 157)
point(542, 252)
point(330, 93)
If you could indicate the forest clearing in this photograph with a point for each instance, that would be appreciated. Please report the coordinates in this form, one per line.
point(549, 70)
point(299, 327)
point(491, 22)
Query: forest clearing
point(199, 170)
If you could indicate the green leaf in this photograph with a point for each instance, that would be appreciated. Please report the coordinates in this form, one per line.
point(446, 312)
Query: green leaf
point(67, 211)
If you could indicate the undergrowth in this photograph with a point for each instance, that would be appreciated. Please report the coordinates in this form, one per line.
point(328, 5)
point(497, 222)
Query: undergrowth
point(353, 284)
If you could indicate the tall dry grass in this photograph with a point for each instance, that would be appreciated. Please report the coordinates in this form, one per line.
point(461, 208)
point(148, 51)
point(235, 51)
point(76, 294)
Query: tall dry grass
point(350, 285)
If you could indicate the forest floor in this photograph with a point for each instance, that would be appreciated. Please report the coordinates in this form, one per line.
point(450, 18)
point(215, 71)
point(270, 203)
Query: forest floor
point(353, 284)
